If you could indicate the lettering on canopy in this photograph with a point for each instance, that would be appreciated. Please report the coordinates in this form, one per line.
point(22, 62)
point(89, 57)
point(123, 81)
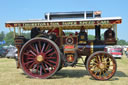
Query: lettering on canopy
point(66, 23)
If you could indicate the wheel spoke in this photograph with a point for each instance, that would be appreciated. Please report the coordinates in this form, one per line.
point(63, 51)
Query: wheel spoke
point(47, 47)
point(39, 45)
point(100, 73)
point(50, 57)
point(37, 50)
point(104, 74)
point(109, 65)
point(92, 66)
point(37, 69)
point(43, 48)
point(28, 62)
point(32, 65)
point(40, 70)
point(99, 58)
point(49, 51)
point(31, 58)
point(32, 48)
point(52, 53)
point(52, 61)
point(43, 68)
point(27, 54)
point(102, 58)
point(96, 73)
point(48, 63)
point(96, 59)
point(109, 61)
point(33, 53)
point(47, 67)
point(106, 71)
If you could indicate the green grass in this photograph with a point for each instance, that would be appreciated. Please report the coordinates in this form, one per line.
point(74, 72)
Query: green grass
point(9, 75)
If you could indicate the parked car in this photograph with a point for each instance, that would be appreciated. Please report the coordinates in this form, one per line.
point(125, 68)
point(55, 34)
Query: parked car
point(3, 52)
point(116, 52)
point(12, 52)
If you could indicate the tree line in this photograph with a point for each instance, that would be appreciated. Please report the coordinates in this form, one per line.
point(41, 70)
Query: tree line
point(9, 38)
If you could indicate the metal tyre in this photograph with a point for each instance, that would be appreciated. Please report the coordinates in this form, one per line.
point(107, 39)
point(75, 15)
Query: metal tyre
point(40, 58)
point(101, 65)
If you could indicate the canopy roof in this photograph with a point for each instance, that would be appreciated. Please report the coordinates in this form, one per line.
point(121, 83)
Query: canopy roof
point(67, 24)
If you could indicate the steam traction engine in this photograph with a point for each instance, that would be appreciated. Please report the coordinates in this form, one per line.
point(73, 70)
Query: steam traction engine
point(50, 48)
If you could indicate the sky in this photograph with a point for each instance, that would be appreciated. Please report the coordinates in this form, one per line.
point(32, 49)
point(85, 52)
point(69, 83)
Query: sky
point(11, 10)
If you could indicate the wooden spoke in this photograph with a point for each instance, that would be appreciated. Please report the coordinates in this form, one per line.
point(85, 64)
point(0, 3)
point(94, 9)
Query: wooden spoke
point(100, 73)
point(102, 58)
point(109, 65)
point(96, 60)
point(104, 74)
point(92, 66)
point(96, 73)
point(99, 58)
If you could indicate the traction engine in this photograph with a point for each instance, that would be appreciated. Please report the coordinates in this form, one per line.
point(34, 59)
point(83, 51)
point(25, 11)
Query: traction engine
point(50, 48)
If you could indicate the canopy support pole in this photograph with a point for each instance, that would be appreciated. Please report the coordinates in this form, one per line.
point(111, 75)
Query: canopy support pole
point(19, 31)
point(14, 32)
point(115, 30)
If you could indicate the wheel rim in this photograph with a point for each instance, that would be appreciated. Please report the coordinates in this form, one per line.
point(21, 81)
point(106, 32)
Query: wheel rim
point(39, 58)
point(101, 66)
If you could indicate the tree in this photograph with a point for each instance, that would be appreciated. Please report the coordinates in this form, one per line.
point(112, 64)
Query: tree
point(91, 37)
point(2, 35)
point(9, 38)
point(122, 42)
point(26, 35)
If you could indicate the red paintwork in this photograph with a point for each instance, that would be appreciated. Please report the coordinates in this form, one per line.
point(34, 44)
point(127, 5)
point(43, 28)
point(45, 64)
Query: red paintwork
point(117, 51)
point(69, 46)
point(56, 31)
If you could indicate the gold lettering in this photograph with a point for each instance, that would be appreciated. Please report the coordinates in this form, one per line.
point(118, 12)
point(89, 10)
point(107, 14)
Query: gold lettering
point(86, 22)
point(69, 23)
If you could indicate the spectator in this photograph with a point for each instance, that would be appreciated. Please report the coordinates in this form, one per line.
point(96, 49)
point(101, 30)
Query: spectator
point(127, 53)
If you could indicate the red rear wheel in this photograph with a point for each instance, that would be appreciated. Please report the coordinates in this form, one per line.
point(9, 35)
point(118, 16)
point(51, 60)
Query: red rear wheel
point(40, 58)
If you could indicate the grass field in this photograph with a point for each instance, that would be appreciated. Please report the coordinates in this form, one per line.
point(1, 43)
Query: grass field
point(9, 75)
